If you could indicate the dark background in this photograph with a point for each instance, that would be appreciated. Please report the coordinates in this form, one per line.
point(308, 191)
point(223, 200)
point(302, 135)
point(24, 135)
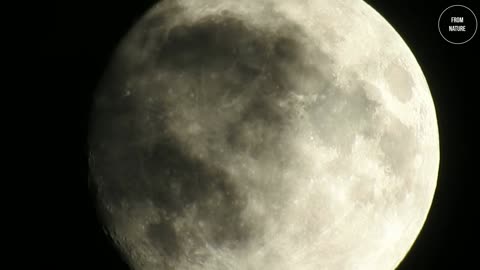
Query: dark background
point(88, 32)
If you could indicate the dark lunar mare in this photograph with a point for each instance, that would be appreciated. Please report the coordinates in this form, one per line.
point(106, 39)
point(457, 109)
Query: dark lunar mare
point(134, 156)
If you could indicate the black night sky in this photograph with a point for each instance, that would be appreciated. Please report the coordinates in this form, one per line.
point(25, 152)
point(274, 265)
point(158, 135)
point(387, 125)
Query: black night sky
point(447, 239)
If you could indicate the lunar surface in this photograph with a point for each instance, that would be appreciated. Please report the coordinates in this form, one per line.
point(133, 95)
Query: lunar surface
point(263, 135)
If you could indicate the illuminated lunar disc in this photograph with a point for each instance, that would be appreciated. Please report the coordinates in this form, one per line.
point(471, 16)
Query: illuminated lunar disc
point(272, 135)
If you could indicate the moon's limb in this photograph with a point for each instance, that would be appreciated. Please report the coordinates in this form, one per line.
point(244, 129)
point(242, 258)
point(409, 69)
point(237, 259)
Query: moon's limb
point(264, 135)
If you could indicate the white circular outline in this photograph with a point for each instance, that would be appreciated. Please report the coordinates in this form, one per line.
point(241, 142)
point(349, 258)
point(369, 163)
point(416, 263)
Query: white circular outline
point(458, 43)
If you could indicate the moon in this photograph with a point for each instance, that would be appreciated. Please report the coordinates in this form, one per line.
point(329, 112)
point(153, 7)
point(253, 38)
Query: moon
point(278, 135)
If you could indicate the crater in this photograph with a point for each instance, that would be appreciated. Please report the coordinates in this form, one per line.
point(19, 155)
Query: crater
point(399, 81)
point(340, 115)
point(399, 146)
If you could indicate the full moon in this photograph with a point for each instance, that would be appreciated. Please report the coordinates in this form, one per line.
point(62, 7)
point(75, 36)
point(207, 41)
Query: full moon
point(263, 135)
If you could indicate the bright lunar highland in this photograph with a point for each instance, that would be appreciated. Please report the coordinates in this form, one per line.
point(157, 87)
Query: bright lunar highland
point(263, 135)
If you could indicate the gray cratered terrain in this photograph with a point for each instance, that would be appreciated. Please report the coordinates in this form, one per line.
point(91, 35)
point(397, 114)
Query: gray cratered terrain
point(257, 135)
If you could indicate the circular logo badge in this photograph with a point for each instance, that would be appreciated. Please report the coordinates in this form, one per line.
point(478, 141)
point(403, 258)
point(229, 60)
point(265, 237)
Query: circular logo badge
point(457, 24)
